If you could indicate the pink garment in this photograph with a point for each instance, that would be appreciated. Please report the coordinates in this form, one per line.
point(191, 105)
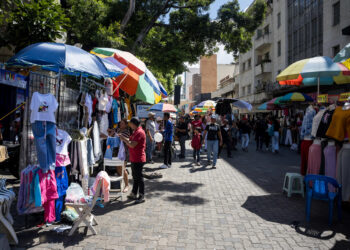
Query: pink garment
point(49, 211)
point(314, 161)
point(48, 186)
point(330, 155)
point(106, 184)
point(62, 160)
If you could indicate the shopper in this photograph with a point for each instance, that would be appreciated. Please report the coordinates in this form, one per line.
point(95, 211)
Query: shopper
point(275, 137)
point(260, 129)
point(214, 140)
point(234, 135)
point(226, 138)
point(124, 130)
point(197, 123)
point(168, 139)
point(182, 134)
point(150, 131)
point(137, 145)
point(245, 130)
point(196, 145)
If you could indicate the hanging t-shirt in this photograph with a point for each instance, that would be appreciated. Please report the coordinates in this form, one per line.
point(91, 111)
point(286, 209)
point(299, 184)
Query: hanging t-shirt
point(115, 111)
point(212, 131)
point(62, 141)
point(88, 104)
point(324, 123)
point(102, 102)
point(43, 107)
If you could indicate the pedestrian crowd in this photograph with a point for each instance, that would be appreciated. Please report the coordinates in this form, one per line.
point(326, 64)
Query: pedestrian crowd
point(208, 134)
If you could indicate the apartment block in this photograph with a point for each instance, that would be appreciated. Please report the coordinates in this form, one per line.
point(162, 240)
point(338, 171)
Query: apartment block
point(292, 30)
point(208, 72)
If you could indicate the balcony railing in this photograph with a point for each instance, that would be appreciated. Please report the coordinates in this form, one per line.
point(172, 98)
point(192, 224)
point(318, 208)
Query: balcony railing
point(265, 67)
point(263, 41)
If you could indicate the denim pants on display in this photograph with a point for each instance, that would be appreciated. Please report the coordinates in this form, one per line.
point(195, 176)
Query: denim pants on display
point(150, 145)
point(245, 140)
point(45, 141)
point(212, 146)
point(275, 141)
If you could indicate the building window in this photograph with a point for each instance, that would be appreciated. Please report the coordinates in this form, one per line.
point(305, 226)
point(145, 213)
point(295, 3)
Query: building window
point(243, 66)
point(336, 13)
point(258, 33)
point(279, 48)
point(249, 63)
point(278, 20)
point(267, 56)
point(249, 89)
point(243, 91)
point(336, 50)
point(266, 30)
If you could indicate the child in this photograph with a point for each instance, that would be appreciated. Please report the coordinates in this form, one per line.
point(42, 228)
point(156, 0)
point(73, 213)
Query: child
point(196, 145)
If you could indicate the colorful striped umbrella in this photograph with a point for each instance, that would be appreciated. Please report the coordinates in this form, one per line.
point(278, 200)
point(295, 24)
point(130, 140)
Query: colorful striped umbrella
point(207, 104)
point(343, 57)
point(296, 97)
point(275, 101)
point(163, 107)
point(314, 71)
point(136, 79)
point(266, 106)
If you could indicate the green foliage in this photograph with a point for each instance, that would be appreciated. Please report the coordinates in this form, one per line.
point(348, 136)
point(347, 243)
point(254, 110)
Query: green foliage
point(24, 23)
point(90, 27)
point(237, 27)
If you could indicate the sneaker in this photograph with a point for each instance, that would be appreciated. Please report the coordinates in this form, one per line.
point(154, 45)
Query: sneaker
point(132, 196)
point(151, 162)
point(48, 224)
point(163, 166)
point(169, 166)
point(209, 162)
point(198, 164)
point(140, 199)
point(213, 167)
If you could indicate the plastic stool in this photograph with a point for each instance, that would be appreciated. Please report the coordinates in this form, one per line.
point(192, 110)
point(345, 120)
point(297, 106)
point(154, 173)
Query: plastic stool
point(293, 184)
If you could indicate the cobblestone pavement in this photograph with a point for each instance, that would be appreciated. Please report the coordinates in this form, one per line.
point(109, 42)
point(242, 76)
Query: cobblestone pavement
point(239, 205)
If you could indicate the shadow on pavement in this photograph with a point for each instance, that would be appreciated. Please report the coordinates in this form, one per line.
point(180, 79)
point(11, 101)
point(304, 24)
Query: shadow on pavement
point(187, 200)
point(291, 211)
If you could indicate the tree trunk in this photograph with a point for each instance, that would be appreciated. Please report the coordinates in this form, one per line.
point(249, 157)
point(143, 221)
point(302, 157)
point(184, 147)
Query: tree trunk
point(127, 15)
point(149, 26)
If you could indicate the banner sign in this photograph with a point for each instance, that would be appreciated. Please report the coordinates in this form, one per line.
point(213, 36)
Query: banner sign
point(344, 96)
point(322, 98)
point(142, 112)
point(12, 79)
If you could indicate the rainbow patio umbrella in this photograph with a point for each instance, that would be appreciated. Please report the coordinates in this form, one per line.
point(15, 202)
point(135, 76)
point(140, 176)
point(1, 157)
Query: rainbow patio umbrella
point(312, 71)
point(343, 57)
point(163, 107)
point(266, 106)
point(137, 80)
point(206, 104)
point(296, 97)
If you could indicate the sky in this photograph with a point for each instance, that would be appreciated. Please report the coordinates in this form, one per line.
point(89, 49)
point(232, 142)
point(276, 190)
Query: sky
point(223, 57)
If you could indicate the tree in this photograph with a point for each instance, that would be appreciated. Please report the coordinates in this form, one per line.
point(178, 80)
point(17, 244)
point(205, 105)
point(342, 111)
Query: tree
point(24, 23)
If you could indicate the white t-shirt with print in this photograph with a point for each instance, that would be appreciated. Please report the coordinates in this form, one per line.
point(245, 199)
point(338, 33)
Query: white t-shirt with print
point(43, 107)
point(62, 141)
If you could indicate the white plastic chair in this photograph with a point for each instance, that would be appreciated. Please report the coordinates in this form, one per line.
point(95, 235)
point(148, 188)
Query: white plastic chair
point(115, 162)
point(84, 210)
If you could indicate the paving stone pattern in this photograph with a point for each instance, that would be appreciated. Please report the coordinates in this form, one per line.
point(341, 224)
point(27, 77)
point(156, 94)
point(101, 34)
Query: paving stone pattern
point(239, 205)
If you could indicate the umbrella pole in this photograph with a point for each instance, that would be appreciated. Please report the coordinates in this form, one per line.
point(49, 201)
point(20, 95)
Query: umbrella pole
point(318, 87)
point(120, 83)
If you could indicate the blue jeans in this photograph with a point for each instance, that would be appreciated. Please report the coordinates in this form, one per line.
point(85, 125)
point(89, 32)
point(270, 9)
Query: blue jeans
point(45, 142)
point(149, 149)
point(212, 146)
point(245, 141)
point(275, 141)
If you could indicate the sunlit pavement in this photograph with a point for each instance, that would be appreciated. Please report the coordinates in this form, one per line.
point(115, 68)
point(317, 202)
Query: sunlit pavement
point(239, 205)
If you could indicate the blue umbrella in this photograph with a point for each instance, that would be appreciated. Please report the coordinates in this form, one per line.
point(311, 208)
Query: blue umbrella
point(59, 57)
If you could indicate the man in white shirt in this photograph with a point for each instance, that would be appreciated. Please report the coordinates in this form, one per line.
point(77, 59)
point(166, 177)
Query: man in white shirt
point(150, 131)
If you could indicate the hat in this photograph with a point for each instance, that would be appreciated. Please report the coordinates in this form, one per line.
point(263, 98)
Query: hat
point(151, 114)
point(213, 117)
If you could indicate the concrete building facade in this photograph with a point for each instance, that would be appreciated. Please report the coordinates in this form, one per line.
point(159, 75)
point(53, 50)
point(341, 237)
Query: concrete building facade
point(292, 30)
point(208, 72)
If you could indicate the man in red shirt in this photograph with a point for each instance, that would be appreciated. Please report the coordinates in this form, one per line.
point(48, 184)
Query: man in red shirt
point(137, 156)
